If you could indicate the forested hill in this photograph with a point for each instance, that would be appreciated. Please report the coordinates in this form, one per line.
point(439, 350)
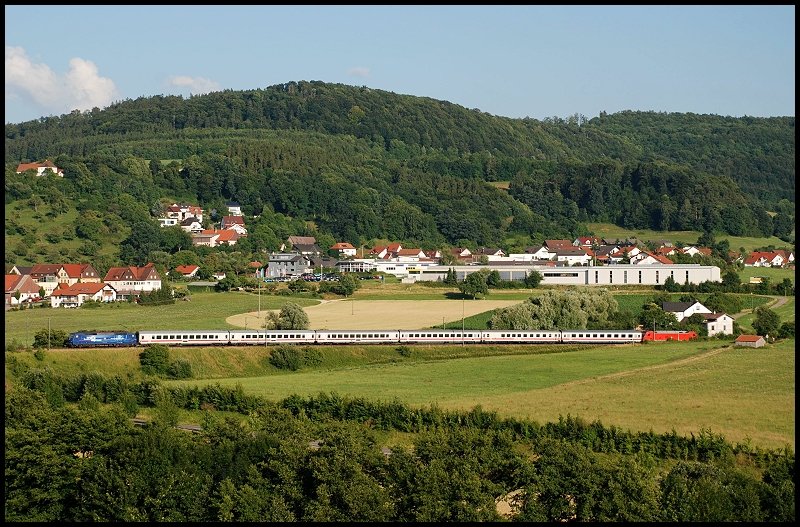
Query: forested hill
point(757, 153)
point(362, 163)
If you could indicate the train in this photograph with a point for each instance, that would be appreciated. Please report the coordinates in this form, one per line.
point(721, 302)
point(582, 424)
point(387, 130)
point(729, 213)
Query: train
point(96, 339)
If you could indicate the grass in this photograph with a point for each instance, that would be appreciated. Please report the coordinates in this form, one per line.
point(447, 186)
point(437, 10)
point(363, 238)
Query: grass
point(744, 394)
point(775, 275)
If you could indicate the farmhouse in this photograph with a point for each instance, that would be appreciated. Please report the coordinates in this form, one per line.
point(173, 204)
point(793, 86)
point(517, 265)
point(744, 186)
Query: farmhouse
point(40, 168)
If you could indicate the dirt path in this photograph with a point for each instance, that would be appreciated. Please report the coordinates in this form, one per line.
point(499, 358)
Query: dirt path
point(680, 362)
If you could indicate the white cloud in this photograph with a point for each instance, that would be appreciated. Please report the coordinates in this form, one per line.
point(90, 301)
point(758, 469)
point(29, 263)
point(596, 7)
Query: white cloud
point(80, 88)
point(358, 71)
point(196, 85)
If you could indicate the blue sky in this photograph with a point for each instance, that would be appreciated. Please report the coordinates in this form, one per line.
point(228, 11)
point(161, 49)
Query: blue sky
point(514, 61)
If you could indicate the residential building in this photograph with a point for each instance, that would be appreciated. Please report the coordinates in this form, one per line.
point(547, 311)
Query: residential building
point(28, 289)
point(187, 271)
point(75, 295)
point(40, 168)
point(288, 265)
point(132, 281)
point(683, 310)
point(344, 249)
point(718, 324)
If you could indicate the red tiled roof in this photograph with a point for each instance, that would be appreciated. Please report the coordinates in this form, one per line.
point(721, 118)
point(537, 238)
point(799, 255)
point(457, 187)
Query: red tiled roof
point(187, 269)
point(12, 280)
point(81, 288)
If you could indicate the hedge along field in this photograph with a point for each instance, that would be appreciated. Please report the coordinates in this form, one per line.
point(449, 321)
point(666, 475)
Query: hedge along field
point(746, 395)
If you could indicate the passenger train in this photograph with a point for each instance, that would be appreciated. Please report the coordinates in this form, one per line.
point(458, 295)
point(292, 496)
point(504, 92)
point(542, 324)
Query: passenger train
point(371, 336)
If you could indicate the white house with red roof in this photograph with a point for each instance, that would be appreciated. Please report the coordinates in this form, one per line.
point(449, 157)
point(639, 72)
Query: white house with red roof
point(765, 259)
point(187, 271)
point(646, 258)
point(235, 223)
point(132, 281)
point(40, 168)
point(27, 287)
point(344, 249)
point(71, 274)
point(215, 237)
point(75, 295)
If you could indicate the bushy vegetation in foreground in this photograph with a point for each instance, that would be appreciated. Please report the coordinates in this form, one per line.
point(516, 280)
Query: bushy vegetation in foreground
point(321, 459)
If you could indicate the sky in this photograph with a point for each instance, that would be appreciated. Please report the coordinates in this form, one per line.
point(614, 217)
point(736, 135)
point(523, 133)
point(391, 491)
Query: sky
point(509, 60)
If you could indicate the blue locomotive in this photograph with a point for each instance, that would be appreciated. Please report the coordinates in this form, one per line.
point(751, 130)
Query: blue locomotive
point(102, 338)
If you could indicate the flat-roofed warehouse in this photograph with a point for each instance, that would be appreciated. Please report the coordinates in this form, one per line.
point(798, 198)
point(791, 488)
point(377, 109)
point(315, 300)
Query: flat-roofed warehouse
point(617, 274)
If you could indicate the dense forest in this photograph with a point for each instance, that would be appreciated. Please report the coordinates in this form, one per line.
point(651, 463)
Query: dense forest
point(356, 164)
point(323, 459)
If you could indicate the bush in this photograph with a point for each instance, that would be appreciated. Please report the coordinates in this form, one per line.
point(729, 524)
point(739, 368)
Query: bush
point(286, 358)
point(180, 369)
point(155, 360)
point(405, 351)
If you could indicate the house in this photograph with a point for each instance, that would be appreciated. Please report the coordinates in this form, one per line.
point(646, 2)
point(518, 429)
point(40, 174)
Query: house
point(379, 251)
point(132, 281)
point(751, 341)
point(191, 224)
point(183, 211)
point(587, 241)
point(46, 276)
point(539, 252)
point(491, 253)
point(167, 222)
point(683, 310)
point(40, 168)
point(764, 259)
point(694, 251)
point(645, 258)
point(433, 254)
point(214, 237)
point(234, 222)
point(76, 295)
point(461, 253)
point(626, 251)
point(409, 255)
point(552, 245)
point(307, 250)
point(718, 324)
point(71, 274)
point(288, 265)
point(572, 255)
point(187, 271)
point(344, 249)
point(234, 208)
point(23, 284)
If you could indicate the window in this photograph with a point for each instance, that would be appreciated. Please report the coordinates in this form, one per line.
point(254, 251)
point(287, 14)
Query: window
point(611, 277)
point(597, 277)
point(640, 277)
point(656, 276)
point(625, 277)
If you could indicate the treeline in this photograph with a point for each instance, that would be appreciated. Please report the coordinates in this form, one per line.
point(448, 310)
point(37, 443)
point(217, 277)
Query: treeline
point(319, 459)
